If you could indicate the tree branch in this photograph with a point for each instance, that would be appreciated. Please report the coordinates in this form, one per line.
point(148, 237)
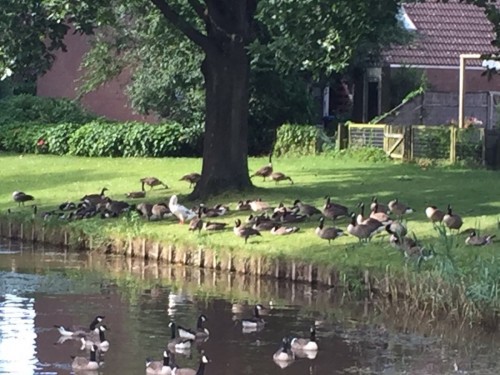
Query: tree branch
point(200, 10)
point(185, 27)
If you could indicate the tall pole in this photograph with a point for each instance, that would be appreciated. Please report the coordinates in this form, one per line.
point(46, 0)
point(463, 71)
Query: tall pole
point(461, 104)
point(461, 86)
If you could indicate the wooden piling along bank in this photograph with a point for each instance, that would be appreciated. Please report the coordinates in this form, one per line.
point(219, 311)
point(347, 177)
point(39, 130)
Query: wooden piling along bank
point(144, 248)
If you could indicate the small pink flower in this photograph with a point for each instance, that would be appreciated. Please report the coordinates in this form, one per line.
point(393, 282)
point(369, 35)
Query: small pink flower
point(40, 142)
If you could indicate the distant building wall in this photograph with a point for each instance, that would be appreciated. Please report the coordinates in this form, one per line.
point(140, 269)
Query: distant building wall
point(62, 81)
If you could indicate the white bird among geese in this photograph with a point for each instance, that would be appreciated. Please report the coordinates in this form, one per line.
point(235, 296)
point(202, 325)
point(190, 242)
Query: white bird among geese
point(182, 213)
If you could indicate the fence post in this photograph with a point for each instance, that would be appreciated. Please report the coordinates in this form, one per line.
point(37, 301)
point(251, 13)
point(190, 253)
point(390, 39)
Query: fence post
point(407, 143)
point(349, 140)
point(482, 132)
point(453, 144)
point(341, 136)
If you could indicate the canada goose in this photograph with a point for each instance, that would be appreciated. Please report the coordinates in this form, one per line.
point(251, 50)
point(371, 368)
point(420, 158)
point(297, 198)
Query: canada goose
point(334, 210)
point(244, 232)
point(213, 226)
point(263, 225)
point(397, 228)
point(262, 217)
point(189, 371)
point(136, 194)
point(20, 197)
point(181, 212)
point(100, 341)
point(285, 216)
point(264, 171)
point(145, 209)
point(160, 211)
point(77, 331)
point(151, 182)
point(306, 209)
point(284, 353)
point(474, 240)
point(200, 333)
point(371, 221)
point(217, 210)
point(362, 231)
point(192, 178)
point(66, 206)
point(259, 205)
point(82, 363)
point(196, 223)
point(380, 216)
point(159, 367)
point(398, 208)
point(243, 206)
point(328, 233)
point(94, 198)
point(451, 220)
point(256, 321)
point(309, 344)
point(379, 207)
point(282, 231)
point(177, 343)
point(434, 214)
point(117, 207)
point(278, 176)
point(400, 241)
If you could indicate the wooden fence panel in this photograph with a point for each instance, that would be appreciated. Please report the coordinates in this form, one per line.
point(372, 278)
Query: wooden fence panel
point(366, 135)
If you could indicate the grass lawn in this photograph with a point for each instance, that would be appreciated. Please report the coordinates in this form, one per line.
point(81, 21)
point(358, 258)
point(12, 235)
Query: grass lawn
point(474, 194)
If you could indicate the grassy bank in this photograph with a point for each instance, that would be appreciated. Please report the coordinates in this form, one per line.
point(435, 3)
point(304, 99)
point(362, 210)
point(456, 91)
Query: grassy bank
point(473, 194)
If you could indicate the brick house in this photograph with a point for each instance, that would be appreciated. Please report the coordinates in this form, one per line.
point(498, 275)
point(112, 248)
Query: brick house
point(442, 31)
point(62, 81)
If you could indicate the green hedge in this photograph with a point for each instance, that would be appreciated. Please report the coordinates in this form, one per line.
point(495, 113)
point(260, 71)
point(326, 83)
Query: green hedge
point(300, 140)
point(28, 108)
point(101, 138)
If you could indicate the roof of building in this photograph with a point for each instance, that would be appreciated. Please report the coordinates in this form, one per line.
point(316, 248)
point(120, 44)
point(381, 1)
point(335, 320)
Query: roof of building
point(443, 32)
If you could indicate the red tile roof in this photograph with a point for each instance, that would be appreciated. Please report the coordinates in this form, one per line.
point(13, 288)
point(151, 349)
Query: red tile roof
point(444, 31)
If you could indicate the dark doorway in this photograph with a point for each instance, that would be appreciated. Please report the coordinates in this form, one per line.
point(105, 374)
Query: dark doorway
point(372, 105)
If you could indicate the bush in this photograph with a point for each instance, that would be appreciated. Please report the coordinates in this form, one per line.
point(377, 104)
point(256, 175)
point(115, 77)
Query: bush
point(363, 153)
point(469, 145)
point(99, 138)
point(57, 138)
point(299, 140)
point(29, 108)
point(23, 138)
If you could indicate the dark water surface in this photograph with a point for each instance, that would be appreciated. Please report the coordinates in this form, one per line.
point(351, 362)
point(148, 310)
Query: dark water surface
point(42, 287)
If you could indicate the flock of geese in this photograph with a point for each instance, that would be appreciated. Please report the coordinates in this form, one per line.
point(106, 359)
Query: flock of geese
point(182, 339)
point(279, 221)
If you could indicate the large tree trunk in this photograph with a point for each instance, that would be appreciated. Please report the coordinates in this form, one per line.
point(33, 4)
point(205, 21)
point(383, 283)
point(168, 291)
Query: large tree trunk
point(226, 70)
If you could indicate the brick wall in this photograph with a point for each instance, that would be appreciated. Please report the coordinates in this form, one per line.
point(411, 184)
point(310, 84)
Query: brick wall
point(62, 81)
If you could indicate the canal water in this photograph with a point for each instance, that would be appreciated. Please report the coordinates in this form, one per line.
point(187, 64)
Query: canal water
point(43, 287)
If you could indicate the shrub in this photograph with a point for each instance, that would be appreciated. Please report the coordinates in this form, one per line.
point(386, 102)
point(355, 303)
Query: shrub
point(362, 153)
point(469, 145)
point(299, 140)
point(57, 137)
point(99, 138)
point(29, 108)
point(25, 138)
